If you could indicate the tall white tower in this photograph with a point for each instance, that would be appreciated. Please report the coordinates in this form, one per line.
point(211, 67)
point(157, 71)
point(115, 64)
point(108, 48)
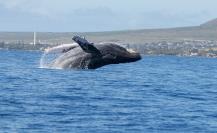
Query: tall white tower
point(34, 43)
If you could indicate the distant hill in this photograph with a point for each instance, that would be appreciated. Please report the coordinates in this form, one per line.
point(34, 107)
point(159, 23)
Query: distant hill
point(206, 31)
point(210, 24)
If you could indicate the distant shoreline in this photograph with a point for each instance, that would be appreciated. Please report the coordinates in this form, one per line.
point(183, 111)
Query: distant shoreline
point(183, 41)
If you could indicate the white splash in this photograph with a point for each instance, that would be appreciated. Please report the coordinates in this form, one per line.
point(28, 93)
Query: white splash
point(50, 54)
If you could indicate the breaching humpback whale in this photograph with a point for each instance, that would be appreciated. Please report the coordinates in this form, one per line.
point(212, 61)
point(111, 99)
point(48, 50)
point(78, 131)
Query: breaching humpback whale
point(87, 55)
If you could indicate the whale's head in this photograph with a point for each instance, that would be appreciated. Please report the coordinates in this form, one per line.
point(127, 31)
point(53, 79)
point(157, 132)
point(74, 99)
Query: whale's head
point(113, 54)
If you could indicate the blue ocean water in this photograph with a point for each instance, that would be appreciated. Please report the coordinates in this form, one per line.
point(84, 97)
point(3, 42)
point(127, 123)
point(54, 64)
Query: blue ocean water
point(157, 94)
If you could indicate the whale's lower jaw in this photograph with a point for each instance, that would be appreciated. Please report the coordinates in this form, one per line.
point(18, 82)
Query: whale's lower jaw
point(103, 62)
point(131, 57)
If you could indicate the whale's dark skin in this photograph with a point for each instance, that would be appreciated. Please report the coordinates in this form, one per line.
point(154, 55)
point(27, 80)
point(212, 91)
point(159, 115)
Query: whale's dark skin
point(92, 56)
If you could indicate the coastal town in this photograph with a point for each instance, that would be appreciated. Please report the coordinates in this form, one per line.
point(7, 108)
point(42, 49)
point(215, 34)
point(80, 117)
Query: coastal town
point(182, 48)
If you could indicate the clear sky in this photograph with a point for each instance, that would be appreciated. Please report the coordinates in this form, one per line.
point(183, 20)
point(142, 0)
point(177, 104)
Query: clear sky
point(102, 15)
